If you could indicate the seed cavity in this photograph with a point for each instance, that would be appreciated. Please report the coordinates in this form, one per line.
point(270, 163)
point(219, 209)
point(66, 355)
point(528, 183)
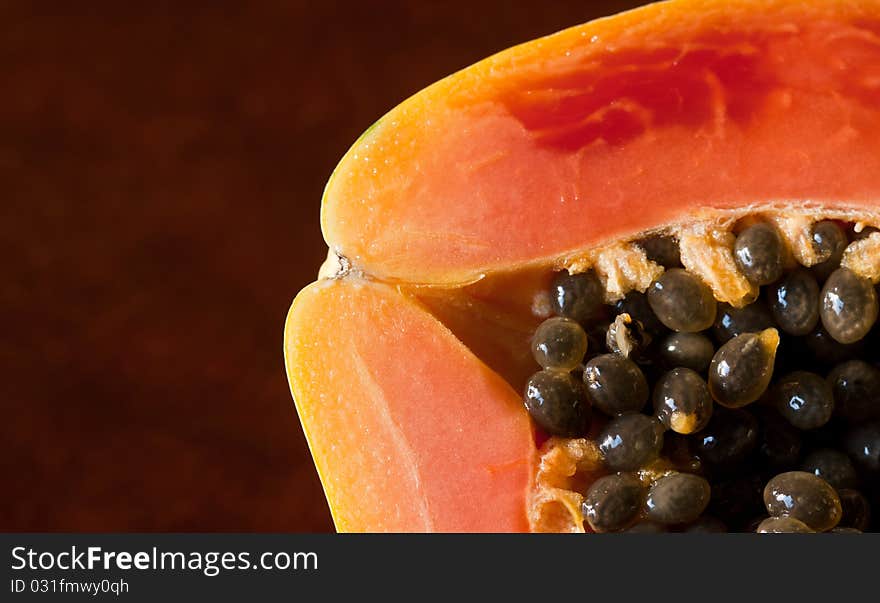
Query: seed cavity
point(759, 353)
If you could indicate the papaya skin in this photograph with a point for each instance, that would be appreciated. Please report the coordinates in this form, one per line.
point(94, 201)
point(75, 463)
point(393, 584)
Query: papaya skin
point(529, 161)
point(612, 128)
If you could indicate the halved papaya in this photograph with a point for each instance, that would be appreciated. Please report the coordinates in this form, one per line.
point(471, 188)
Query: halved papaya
point(450, 218)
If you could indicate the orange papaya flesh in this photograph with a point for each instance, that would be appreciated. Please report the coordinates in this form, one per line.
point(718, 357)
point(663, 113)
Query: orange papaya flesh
point(452, 211)
point(395, 409)
point(613, 128)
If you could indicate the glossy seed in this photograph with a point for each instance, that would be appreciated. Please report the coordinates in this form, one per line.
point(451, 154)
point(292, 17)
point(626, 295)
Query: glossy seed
point(833, 466)
point(848, 306)
point(559, 343)
point(829, 241)
point(662, 249)
point(804, 399)
point(630, 441)
point(615, 384)
point(682, 302)
point(682, 401)
point(613, 502)
point(794, 302)
point(688, 350)
point(759, 253)
point(783, 525)
point(803, 496)
point(728, 438)
point(856, 510)
point(856, 388)
point(741, 369)
point(863, 445)
point(626, 337)
point(677, 498)
point(576, 296)
point(730, 321)
point(557, 402)
point(636, 305)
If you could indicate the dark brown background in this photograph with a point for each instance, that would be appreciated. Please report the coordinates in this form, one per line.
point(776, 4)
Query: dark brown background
point(161, 170)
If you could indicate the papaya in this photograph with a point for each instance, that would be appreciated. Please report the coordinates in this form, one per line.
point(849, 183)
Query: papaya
point(688, 187)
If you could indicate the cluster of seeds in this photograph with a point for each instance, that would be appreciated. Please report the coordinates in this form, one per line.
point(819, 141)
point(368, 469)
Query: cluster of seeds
point(715, 418)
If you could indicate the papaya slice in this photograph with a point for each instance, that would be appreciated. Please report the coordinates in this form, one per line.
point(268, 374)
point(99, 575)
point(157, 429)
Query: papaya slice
point(449, 219)
point(394, 407)
point(613, 128)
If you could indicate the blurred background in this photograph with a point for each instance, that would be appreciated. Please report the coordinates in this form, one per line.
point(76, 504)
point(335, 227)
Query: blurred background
point(161, 169)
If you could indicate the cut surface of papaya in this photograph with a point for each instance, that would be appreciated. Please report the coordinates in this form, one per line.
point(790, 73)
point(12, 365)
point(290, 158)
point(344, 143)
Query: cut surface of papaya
point(612, 128)
point(395, 409)
point(618, 278)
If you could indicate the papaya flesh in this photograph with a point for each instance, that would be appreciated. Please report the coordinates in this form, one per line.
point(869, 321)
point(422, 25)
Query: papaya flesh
point(392, 403)
point(447, 216)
